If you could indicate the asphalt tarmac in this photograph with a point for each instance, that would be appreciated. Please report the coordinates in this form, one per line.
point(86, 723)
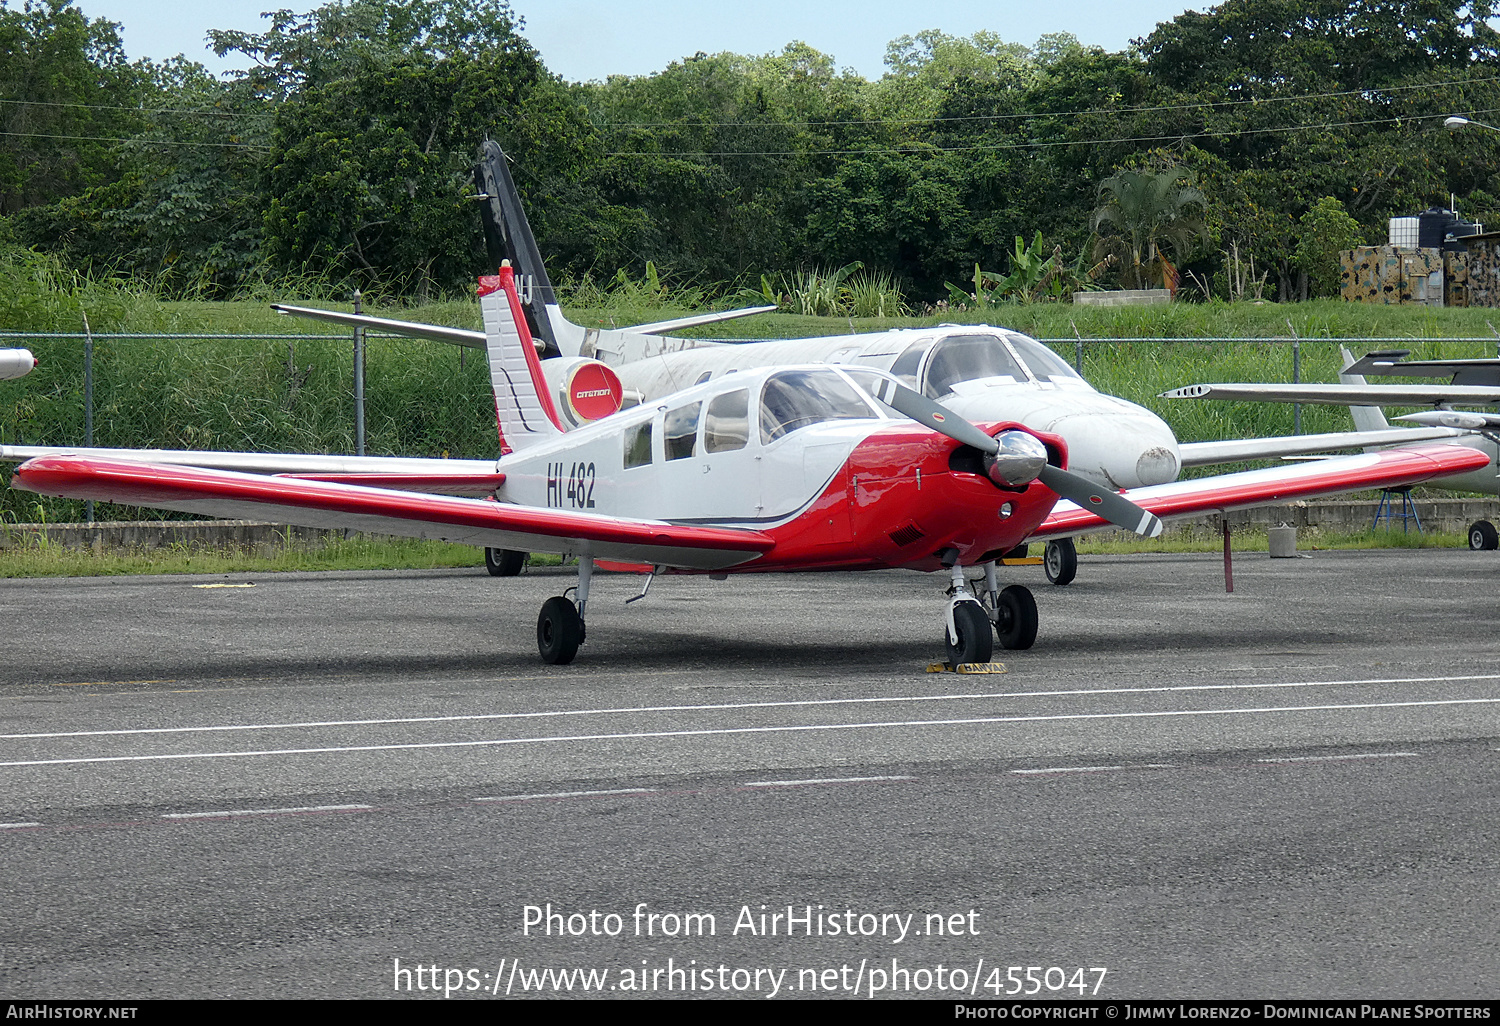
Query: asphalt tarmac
point(364, 785)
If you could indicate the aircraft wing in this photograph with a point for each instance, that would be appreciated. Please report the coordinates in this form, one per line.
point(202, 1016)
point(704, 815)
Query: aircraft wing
point(1234, 450)
point(446, 477)
point(1343, 395)
point(1387, 468)
point(308, 503)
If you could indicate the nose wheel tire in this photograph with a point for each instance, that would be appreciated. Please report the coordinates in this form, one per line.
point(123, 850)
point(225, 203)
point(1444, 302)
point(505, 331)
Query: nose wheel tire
point(1060, 561)
point(559, 631)
point(504, 562)
point(1015, 618)
point(975, 642)
point(1482, 535)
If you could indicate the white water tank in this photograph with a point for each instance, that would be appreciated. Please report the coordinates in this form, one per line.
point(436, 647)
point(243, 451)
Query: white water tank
point(1405, 231)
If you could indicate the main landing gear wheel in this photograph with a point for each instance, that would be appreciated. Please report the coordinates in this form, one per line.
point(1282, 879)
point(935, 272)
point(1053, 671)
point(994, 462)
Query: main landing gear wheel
point(1482, 535)
point(504, 562)
point(1060, 560)
point(559, 631)
point(1015, 618)
point(975, 642)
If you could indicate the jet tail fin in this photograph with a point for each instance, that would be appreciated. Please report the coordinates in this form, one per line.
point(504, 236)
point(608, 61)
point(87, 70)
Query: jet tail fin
point(524, 413)
point(1366, 418)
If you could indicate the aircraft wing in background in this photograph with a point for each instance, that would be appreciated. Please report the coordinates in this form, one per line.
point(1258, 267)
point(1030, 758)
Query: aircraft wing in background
point(444, 477)
point(1387, 468)
point(1342, 395)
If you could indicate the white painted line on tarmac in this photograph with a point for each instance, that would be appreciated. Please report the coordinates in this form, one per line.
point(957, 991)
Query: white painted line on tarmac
point(800, 703)
point(566, 794)
point(819, 780)
point(792, 728)
point(17, 826)
point(1067, 769)
point(1344, 758)
point(265, 812)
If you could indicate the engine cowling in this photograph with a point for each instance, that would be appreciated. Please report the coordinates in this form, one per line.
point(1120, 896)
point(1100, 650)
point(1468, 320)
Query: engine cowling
point(583, 390)
point(15, 363)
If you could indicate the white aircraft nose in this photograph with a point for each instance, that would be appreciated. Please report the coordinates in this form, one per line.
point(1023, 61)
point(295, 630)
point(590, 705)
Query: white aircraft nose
point(1111, 441)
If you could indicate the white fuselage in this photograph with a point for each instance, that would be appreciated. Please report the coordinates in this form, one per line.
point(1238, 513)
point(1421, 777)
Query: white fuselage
point(984, 374)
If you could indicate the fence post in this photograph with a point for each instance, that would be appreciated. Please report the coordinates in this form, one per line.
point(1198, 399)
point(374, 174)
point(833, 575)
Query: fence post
point(1296, 376)
point(88, 400)
point(359, 380)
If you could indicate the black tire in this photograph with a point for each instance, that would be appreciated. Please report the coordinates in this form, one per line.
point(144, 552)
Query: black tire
point(1015, 618)
point(559, 631)
point(1483, 536)
point(504, 562)
point(975, 642)
point(1060, 560)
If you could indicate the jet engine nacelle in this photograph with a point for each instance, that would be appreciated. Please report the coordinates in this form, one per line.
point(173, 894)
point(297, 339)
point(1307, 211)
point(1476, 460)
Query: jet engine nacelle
point(15, 363)
point(583, 390)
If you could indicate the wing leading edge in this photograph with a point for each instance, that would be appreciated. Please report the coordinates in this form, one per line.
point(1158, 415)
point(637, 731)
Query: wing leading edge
point(310, 503)
point(1388, 468)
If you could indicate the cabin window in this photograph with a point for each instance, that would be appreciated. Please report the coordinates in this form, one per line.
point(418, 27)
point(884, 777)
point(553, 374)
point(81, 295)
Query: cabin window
point(908, 363)
point(727, 424)
point(679, 432)
point(1043, 363)
point(638, 445)
point(792, 400)
point(704, 377)
point(968, 358)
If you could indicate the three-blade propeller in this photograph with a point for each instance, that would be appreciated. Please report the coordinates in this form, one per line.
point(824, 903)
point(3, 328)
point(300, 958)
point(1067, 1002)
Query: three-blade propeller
point(1015, 457)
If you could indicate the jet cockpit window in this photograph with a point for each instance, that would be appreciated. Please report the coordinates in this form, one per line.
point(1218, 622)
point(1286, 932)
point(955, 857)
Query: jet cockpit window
point(727, 424)
point(1041, 361)
point(794, 399)
point(968, 358)
point(679, 433)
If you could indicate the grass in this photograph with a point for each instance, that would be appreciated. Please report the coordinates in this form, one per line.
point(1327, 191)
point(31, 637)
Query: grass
point(1250, 539)
point(375, 553)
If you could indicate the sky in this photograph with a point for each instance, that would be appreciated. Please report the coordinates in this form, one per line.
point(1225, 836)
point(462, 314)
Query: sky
point(584, 40)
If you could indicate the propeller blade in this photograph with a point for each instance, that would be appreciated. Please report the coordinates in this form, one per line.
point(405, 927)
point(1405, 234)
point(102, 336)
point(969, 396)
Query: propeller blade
point(930, 414)
point(1008, 459)
point(1112, 506)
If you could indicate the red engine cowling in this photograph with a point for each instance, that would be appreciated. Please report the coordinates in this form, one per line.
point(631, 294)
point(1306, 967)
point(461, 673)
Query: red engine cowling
point(583, 390)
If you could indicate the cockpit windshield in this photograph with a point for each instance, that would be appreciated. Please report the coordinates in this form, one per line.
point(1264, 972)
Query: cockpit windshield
point(968, 358)
point(1043, 363)
point(795, 399)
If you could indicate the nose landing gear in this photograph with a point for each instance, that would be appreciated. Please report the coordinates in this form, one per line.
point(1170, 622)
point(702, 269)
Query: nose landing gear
point(972, 629)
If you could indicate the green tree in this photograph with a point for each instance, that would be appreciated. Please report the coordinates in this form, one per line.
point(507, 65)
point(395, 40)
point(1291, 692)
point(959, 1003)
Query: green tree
point(1145, 217)
point(1323, 231)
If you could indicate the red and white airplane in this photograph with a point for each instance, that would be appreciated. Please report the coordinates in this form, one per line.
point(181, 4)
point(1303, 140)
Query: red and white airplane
point(773, 469)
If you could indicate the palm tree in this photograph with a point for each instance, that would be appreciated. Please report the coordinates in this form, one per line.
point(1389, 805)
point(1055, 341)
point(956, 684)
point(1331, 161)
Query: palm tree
point(1143, 216)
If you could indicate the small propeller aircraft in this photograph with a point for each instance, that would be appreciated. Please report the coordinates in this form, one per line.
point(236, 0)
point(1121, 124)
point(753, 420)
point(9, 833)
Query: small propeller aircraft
point(771, 469)
point(15, 363)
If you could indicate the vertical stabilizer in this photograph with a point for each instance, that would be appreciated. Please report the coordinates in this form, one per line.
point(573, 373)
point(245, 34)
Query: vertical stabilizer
point(507, 236)
point(524, 413)
point(1366, 418)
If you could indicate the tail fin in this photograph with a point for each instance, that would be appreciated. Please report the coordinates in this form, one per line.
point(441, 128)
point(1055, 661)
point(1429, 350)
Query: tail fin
point(524, 413)
point(1366, 418)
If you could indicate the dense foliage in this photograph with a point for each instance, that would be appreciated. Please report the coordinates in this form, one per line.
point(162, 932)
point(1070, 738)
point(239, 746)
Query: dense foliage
point(1264, 131)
